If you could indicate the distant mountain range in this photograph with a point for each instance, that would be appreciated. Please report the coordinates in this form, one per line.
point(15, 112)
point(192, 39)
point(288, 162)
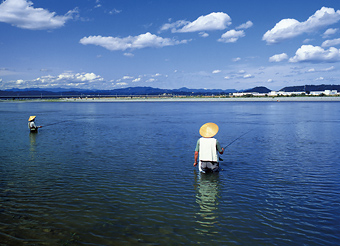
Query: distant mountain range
point(309, 88)
point(153, 91)
point(119, 92)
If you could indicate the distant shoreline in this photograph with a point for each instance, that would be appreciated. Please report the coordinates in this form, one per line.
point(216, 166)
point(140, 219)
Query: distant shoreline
point(189, 99)
point(206, 99)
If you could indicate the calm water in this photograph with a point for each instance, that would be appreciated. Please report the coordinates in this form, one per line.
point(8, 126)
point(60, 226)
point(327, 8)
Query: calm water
point(122, 174)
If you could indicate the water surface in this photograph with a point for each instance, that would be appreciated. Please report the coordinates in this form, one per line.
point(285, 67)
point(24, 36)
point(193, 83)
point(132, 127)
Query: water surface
point(122, 174)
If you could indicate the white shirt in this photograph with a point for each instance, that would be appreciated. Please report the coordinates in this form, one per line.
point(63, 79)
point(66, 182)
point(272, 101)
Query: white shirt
point(207, 150)
point(31, 125)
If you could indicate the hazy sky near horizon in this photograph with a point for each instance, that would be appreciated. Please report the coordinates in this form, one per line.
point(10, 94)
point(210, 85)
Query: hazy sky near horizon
point(109, 44)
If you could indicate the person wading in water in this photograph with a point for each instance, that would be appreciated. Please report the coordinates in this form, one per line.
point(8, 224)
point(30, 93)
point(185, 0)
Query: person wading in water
point(31, 124)
point(206, 149)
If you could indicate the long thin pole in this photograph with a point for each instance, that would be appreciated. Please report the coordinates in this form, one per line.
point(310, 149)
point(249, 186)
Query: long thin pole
point(57, 123)
point(63, 121)
point(237, 139)
point(233, 142)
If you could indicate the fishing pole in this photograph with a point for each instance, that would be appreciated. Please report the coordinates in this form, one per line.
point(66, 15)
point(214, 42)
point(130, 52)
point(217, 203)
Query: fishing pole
point(233, 142)
point(56, 123)
point(237, 139)
point(63, 121)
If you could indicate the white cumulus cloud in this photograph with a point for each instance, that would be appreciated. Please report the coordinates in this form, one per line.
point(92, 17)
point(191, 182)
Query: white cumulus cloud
point(278, 57)
point(231, 36)
point(330, 32)
point(115, 11)
point(204, 34)
point(313, 70)
point(63, 80)
point(128, 54)
point(210, 22)
point(127, 77)
point(328, 69)
point(75, 77)
point(290, 28)
point(246, 25)
point(248, 76)
point(332, 42)
point(131, 42)
point(22, 14)
point(307, 40)
point(310, 53)
point(216, 71)
point(173, 25)
point(121, 84)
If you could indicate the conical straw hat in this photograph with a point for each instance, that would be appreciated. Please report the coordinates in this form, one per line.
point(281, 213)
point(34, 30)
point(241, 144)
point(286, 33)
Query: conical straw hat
point(31, 118)
point(208, 130)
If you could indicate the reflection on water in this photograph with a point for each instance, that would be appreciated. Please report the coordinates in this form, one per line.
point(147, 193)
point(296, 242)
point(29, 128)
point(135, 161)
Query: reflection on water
point(207, 197)
point(33, 138)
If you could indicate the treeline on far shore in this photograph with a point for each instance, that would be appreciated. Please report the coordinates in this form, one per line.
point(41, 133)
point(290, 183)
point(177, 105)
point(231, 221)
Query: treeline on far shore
point(150, 92)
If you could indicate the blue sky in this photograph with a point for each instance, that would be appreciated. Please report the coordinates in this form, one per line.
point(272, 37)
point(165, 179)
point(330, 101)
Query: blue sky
point(108, 44)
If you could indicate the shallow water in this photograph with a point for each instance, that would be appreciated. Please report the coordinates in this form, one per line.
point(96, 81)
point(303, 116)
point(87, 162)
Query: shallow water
point(122, 174)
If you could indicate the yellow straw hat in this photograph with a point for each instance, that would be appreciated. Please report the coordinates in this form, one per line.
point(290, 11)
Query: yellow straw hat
point(31, 118)
point(208, 130)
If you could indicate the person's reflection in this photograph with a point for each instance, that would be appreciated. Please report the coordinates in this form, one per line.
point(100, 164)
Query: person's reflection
point(207, 197)
point(33, 136)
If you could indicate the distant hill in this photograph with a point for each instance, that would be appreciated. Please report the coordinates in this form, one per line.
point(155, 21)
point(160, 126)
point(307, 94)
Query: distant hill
point(308, 88)
point(260, 89)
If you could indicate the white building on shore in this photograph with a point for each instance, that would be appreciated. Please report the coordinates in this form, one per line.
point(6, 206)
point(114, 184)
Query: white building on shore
point(326, 92)
point(284, 93)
